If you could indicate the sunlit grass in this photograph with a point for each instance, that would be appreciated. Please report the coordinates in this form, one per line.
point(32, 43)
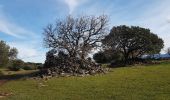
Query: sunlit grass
point(128, 83)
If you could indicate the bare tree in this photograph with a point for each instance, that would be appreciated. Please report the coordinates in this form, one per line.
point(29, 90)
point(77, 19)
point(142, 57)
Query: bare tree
point(76, 36)
point(13, 53)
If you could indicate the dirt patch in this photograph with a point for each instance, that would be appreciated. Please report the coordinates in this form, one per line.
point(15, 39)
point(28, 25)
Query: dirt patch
point(5, 94)
point(2, 82)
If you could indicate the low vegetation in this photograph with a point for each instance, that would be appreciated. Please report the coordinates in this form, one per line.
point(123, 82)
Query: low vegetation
point(132, 83)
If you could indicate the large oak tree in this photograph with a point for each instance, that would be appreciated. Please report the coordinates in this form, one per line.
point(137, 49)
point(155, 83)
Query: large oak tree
point(133, 42)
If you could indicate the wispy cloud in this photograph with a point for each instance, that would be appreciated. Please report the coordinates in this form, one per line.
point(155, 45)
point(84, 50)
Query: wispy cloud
point(72, 4)
point(11, 28)
point(29, 52)
point(157, 18)
point(153, 14)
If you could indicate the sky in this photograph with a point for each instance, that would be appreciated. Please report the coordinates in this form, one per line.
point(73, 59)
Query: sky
point(22, 21)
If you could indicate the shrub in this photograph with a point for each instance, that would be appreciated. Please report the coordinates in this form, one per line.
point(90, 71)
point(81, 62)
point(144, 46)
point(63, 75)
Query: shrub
point(16, 65)
point(30, 67)
point(107, 56)
point(100, 57)
point(27, 68)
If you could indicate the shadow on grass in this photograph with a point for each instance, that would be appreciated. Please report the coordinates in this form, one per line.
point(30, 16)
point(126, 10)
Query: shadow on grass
point(19, 76)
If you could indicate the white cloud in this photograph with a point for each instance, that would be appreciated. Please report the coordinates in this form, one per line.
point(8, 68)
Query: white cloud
point(157, 19)
point(29, 51)
point(154, 15)
point(26, 48)
point(72, 4)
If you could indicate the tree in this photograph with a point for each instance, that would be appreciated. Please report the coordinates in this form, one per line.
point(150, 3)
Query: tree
point(4, 51)
point(132, 42)
point(107, 56)
point(100, 57)
point(16, 65)
point(168, 51)
point(76, 36)
point(13, 53)
point(50, 59)
point(6, 54)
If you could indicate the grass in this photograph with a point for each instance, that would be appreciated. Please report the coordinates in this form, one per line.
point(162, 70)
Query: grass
point(128, 83)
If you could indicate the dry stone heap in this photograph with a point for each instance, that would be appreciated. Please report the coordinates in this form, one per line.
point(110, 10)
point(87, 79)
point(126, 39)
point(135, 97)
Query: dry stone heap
point(63, 65)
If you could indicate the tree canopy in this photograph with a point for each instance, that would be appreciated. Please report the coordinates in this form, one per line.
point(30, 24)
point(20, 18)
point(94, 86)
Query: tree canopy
point(133, 42)
point(6, 53)
point(76, 36)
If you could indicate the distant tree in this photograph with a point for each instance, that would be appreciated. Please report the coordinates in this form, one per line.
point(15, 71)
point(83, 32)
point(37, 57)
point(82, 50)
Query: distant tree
point(7, 54)
point(133, 42)
point(16, 65)
point(168, 51)
point(13, 53)
point(30, 65)
point(4, 51)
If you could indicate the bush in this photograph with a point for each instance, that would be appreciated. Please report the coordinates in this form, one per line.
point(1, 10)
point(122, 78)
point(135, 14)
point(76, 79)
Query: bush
point(100, 57)
point(107, 56)
point(117, 64)
point(27, 68)
point(16, 65)
point(39, 65)
point(30, 67)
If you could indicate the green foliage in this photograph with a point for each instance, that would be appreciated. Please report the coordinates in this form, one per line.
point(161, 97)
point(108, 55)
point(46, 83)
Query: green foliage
point(4, 51)
point(133, 42)
point(50, 59)
point(6, 54)
point(16, 65)
point(30, 66)
point(107, 56)
point(130, 83)
point(100, 57)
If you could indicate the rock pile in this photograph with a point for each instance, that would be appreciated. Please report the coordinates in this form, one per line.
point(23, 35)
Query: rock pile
point(63, 65)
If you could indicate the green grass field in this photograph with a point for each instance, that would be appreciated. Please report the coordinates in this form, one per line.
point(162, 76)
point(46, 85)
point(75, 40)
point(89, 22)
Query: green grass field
point(130, 83)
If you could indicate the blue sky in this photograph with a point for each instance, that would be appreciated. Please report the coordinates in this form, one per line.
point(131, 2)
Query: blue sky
point(22, 21)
